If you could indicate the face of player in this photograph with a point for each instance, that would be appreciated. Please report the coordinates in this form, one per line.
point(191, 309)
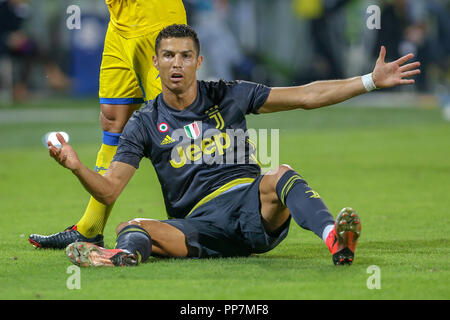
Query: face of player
point(178, 62)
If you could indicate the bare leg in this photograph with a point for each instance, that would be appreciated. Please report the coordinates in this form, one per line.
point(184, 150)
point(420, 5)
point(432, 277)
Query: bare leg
point(114, 117)
point(273, 212)
point(286, 188)
point(167, 240)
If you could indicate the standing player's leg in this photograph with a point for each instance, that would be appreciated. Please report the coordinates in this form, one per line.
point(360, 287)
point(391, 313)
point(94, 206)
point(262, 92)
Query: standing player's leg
point(120, 94)
point(113, 119)
point(284, 193)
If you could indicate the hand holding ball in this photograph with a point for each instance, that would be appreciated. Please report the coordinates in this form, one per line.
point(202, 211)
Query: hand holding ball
point(61, 151)
point(51, 136)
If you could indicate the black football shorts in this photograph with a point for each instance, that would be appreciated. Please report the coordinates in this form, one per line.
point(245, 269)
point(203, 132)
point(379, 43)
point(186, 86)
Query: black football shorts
point(229, 225)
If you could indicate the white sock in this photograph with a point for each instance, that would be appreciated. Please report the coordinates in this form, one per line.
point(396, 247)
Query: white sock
point(327, 231)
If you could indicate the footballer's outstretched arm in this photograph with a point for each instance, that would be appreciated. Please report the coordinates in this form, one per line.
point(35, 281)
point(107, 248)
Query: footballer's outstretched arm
point(107, 188)
point(324, 93)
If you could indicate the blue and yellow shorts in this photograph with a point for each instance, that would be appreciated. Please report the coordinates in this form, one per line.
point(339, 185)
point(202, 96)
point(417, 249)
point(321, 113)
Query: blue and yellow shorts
point(127, 74)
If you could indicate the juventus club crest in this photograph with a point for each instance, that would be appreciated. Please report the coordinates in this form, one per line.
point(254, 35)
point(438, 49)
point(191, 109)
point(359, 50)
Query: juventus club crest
point(213, 113)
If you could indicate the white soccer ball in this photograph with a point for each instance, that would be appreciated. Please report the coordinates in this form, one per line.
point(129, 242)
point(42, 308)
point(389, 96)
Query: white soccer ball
point(51, 136)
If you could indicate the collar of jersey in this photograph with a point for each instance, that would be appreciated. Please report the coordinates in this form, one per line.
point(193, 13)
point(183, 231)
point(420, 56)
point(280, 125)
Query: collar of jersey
point(188, 108)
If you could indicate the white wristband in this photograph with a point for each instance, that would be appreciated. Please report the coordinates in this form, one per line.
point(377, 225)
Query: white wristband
point(368, 83)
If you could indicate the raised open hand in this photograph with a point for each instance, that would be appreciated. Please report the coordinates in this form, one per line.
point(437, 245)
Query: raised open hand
point(387, 75)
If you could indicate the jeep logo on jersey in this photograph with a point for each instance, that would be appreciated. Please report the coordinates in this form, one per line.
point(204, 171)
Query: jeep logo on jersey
point(211, 146)
point(192, 130)
point(232, 146)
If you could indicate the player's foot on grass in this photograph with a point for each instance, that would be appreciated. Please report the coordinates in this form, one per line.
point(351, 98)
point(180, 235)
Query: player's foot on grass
point(62, 239)
point(86, 254)
point(343, 238)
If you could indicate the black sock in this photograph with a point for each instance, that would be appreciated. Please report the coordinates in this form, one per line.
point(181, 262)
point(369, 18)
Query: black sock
point(136, 240)
point(304, 204)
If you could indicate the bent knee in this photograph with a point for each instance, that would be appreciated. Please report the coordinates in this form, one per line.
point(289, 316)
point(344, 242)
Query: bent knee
point(269, 183)
point(120, 226)
point(150, 225)
point(276, 174)
point(282, 169)
point(127, 223)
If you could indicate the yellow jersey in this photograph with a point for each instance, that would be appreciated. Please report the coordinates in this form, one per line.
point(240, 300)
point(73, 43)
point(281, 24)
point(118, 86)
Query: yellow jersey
point(135, 18)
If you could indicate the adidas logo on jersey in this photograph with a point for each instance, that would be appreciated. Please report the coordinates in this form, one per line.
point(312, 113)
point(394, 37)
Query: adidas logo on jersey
point(167, 140)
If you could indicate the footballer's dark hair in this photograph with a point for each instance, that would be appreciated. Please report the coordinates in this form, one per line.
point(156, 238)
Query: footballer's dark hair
point(178, 31)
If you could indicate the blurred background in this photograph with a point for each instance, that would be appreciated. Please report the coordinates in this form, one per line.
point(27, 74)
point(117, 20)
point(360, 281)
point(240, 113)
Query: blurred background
point(385, 153)
point(278, 43)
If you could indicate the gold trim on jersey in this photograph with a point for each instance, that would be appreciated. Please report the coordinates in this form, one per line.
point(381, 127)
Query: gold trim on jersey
point(221, 190)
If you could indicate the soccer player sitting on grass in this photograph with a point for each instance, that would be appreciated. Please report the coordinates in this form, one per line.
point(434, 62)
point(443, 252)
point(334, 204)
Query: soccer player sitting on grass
point(217, 209)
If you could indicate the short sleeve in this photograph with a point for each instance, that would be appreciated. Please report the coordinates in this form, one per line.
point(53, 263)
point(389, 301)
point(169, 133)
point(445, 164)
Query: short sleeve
point(132, 142)
point(251, 96)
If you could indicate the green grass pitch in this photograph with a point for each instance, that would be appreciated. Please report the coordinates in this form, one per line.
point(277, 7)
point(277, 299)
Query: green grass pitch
point(391, 165)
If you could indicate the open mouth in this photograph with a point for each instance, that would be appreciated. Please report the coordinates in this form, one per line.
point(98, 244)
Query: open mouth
point(176, 77)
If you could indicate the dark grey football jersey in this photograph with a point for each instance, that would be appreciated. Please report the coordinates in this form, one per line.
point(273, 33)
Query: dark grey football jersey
point(199, 149)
